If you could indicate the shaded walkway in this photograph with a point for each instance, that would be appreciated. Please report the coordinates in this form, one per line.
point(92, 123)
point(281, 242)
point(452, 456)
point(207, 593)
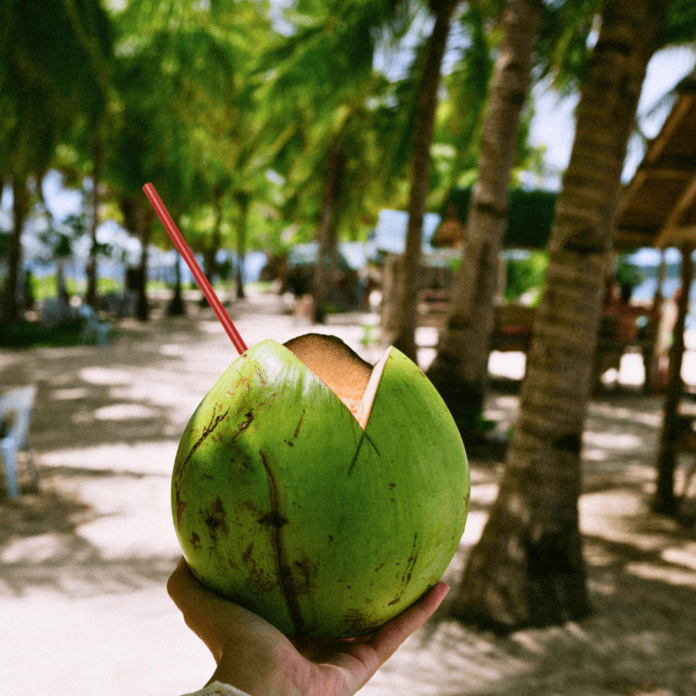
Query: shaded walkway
point(83, 564)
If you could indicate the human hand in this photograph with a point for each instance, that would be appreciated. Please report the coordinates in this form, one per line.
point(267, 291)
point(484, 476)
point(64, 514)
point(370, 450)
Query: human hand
point(255, 657)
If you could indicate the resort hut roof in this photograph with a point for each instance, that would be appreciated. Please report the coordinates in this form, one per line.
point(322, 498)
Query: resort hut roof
point(658, 206)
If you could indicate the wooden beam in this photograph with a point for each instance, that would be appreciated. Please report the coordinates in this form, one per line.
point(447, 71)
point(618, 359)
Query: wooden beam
point(624, 237)
point(658, 144)
point(630, 191)
point(654, 150)
point(680, 170)
point(671, 224)
point(664, 500)
point(677, 236)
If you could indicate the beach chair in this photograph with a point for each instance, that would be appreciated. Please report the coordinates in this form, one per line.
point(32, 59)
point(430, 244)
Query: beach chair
point(93, 330)
point(15, 419)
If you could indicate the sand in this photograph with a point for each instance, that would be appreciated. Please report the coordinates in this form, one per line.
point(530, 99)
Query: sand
point(83, 564)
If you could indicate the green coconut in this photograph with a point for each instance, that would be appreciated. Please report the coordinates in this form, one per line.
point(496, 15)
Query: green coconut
point(317, 491)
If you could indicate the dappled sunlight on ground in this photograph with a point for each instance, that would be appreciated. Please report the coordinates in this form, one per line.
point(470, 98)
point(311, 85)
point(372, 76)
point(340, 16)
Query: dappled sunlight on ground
point(507, 365)
point(83, 564)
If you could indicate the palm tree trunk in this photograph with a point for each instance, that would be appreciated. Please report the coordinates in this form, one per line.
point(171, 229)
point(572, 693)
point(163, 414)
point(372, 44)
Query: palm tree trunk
point(664, 500)
point(528, 568)
point(20, 210)
point(243, 200)
point(142, 306)
point(405, 338)
point(460, 369)
point(176, 306)
point(91, 295)
point(210, 255)
point(138, 221)
point(61, 289)
point(333, 185)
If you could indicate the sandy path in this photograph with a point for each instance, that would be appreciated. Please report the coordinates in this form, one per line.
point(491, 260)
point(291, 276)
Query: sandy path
point(83, 565)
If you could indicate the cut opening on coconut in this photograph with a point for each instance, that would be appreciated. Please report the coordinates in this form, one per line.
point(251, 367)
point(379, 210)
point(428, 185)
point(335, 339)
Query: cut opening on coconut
point(352, 379)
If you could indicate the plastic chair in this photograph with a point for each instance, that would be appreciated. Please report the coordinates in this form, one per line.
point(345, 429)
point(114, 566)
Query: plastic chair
point(93, 329)
point(17, 406)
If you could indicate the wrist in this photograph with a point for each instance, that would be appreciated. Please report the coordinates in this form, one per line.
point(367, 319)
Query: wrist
point(254, 680)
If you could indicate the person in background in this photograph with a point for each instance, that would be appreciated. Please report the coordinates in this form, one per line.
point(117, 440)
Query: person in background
point(255, 659)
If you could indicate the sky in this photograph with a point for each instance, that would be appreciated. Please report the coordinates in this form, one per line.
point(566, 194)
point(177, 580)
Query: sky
point(554, 122)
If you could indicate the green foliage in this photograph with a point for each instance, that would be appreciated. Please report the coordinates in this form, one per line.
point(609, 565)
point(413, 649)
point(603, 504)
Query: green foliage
point(205, 98)
point(370, 335)
point(681, 23)
point(530, 215)
point(564, 42)
point(321, 80)
point(61, 240)
point(526, 275)
point(628, 275)
point(461, 113)
point(473, 424)
point(53, 70)
point(44, 287)
point(23, 334)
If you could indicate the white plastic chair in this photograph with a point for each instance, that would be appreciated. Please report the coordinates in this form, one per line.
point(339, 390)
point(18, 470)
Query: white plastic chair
point(93, 329)
point(17, 406)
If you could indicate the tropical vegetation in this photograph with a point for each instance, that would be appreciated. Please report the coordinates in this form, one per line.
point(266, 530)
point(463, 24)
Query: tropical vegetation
point(263, 125)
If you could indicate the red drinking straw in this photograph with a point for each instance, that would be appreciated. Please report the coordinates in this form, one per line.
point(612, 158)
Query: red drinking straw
point(198, 274)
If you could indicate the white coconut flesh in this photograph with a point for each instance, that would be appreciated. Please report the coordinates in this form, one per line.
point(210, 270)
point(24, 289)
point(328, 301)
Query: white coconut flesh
point(353, 380)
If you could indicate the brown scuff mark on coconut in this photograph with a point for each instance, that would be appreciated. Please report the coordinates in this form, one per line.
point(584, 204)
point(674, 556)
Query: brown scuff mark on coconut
point(360, 622)
point(306, 582)
point(207, 431)
point(299, 425)
point(244, 425)
point(180, 507)
point(297, 430)
point(274, 519)
point(257, 576)
point(408, 572)
point(215, 519)
point(411, 562)
point(284, 569)
point(246, 555)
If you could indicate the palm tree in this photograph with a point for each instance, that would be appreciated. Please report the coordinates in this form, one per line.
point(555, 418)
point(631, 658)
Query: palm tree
point(332, 39)
point(178, 123)
point(461, 365)
point(420, 164)
point(528, 568)
point(53, 70)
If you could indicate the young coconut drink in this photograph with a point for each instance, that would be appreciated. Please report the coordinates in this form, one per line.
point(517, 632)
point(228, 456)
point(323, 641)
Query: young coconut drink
point(322, 493)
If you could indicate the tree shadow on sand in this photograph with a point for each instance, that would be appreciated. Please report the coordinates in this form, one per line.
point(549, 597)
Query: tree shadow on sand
point(41, 546)
point(639, 641)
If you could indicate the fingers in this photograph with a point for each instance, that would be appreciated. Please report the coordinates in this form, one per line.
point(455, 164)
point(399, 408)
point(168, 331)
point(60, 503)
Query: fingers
point(178, 581)
point(217, 621)
point(393, 634)
point(188, 594)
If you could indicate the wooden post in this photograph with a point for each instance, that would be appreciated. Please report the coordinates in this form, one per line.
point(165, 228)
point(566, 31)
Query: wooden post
point(652, 357)
point(665, 501)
